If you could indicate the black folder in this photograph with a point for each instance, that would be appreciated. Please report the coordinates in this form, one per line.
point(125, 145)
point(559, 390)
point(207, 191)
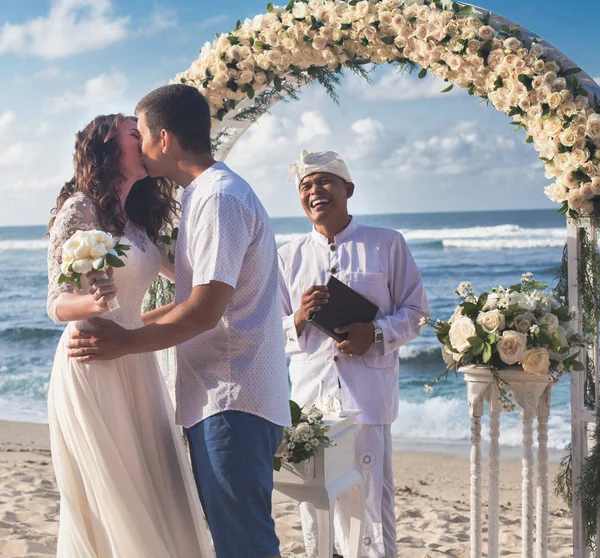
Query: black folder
point(345, 306)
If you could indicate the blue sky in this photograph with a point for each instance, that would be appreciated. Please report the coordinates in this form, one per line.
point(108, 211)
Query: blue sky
point(409, 149)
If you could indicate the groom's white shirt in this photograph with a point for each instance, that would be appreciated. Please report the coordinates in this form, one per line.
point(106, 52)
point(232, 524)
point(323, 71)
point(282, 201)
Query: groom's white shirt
point(225, 235)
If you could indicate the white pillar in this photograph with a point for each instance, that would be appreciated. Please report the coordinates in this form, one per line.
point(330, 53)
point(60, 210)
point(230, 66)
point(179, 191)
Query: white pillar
point(495, 406)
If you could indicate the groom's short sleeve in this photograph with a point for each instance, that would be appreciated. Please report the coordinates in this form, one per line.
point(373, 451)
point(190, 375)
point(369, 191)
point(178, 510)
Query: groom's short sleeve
point(219, 239)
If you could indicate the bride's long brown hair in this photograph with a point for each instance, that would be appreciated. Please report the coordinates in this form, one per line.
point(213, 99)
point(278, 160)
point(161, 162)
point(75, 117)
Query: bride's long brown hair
point(150, 204)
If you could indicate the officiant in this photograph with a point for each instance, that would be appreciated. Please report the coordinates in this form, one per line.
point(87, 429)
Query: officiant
point(362, 370)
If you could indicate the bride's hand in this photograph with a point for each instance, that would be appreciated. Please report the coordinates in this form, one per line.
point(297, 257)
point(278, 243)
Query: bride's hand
point(101, 288)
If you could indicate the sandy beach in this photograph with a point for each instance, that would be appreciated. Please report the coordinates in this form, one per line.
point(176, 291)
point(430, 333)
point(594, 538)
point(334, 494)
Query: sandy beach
point(432, 503)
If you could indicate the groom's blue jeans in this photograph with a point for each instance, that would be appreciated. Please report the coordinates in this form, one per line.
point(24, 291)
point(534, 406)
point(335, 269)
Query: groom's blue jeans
point(232, 457)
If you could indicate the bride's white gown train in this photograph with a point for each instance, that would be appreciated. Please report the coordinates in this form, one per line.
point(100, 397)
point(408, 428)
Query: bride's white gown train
point(125, 483)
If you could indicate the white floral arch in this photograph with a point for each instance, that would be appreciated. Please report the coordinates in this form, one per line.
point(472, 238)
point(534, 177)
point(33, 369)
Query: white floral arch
point(245, 72)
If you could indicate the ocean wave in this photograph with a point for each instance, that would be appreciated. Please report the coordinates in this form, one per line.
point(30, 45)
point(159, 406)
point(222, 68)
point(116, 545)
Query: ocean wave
point(474, 238)
point(447, 419)
point(19, 334)
point(504, 231)
point(420, 354)
point(20, 245)
point(504, 243)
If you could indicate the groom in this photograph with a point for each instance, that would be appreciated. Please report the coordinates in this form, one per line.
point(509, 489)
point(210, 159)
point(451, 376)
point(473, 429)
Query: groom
point(232, 387)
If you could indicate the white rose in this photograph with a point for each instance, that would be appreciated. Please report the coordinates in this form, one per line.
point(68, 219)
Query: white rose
point(550, 321)
point(511, 347)
point(575, 199)
point(538, 66)
point(82, 266)
point(245, 77)
point(554, 100)
point(524, 321)
point(512, 44)
point(302, 428)
point(98, 251)
point(595, 185)
point(81, 252)
point(449, 357)
point(593, 126)
point(553, 126)
point(568, 138)
point(580, 157)
point(536, 361)
point(587, 192)
point(300, 10)
point(587, 207)
point(486, 32)
point(491, 302)
point(99, 264)
point(71, 245)
point(522, 300)
point(536, 50)
point(581, 102)
point(562, 160)
point(460, 331)
point(64, 266)
point(319, 43)
point(557, 192)
point(492, 321)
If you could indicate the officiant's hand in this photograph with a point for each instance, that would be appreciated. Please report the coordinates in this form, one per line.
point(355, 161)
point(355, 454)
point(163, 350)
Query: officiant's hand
point(359, 340)
point(312, 300)
point(107, 342)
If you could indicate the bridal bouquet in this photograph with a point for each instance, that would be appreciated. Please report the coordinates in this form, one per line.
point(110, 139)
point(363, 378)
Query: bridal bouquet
point(302, 440)
point(89, 251)
point(522, 325)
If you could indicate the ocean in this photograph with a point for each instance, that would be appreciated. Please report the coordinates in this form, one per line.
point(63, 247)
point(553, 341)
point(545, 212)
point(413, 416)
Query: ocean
point(486, 248)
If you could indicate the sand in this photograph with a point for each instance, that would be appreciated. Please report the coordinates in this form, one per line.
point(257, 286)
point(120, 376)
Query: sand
point(432, 503)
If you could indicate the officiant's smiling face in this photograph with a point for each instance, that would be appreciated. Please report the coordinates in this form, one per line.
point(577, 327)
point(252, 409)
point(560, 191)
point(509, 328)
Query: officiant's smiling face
point(324, 198)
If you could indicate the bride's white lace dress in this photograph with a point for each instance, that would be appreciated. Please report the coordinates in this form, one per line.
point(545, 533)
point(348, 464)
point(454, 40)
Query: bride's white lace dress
point(125, 485)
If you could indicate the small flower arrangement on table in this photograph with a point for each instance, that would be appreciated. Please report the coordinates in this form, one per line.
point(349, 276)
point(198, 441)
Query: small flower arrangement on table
point(524, 325)
point(301, 441)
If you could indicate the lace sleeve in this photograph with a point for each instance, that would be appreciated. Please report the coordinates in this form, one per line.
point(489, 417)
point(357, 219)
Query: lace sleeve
point(76, 214)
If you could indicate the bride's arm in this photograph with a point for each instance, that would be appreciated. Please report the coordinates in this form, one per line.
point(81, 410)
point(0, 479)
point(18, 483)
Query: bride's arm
point(167, 267)
point(156, 314)
point(66, 303)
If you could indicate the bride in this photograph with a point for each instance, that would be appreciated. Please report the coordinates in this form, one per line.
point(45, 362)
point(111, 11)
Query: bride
point(126, 489)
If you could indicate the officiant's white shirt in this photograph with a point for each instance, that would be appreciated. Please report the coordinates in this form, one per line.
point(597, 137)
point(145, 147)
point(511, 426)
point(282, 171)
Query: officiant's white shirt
point(225, 235)
point(378, 264)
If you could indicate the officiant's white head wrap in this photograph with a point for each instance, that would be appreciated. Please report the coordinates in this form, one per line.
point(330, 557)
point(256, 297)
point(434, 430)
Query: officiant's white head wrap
point(321, 161)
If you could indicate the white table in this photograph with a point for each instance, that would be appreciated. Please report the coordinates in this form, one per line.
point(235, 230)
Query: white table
point(321, 479)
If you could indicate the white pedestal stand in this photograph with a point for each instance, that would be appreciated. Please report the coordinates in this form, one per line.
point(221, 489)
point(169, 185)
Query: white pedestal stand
point(532, 394)
point(323, 478)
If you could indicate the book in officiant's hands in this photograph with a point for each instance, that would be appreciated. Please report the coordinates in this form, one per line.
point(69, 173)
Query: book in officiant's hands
point(345, 306)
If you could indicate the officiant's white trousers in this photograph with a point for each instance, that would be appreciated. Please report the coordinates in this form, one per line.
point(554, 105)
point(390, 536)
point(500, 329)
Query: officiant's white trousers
point(374, 460)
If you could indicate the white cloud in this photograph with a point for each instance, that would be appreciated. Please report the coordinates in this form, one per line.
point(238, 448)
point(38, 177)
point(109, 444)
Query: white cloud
point(98, 93)
point(71, 27)
point(312, 125)
point(161, 19)
point(6, 118)
point(366, 140)
point(394, 86)
point(18, 155)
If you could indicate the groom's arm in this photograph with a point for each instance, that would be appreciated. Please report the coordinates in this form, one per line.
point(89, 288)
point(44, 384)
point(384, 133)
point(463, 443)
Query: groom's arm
point(199, 313)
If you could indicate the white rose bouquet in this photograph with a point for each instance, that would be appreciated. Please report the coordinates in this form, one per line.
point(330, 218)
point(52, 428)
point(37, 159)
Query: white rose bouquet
point(523, 325)
point(88, 251)
point(302, 440)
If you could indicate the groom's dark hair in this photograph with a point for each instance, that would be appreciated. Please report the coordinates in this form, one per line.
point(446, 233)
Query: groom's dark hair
point(182, 110)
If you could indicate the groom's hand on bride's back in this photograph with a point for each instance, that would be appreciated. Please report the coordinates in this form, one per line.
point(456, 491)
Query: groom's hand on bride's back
point(107, 342)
